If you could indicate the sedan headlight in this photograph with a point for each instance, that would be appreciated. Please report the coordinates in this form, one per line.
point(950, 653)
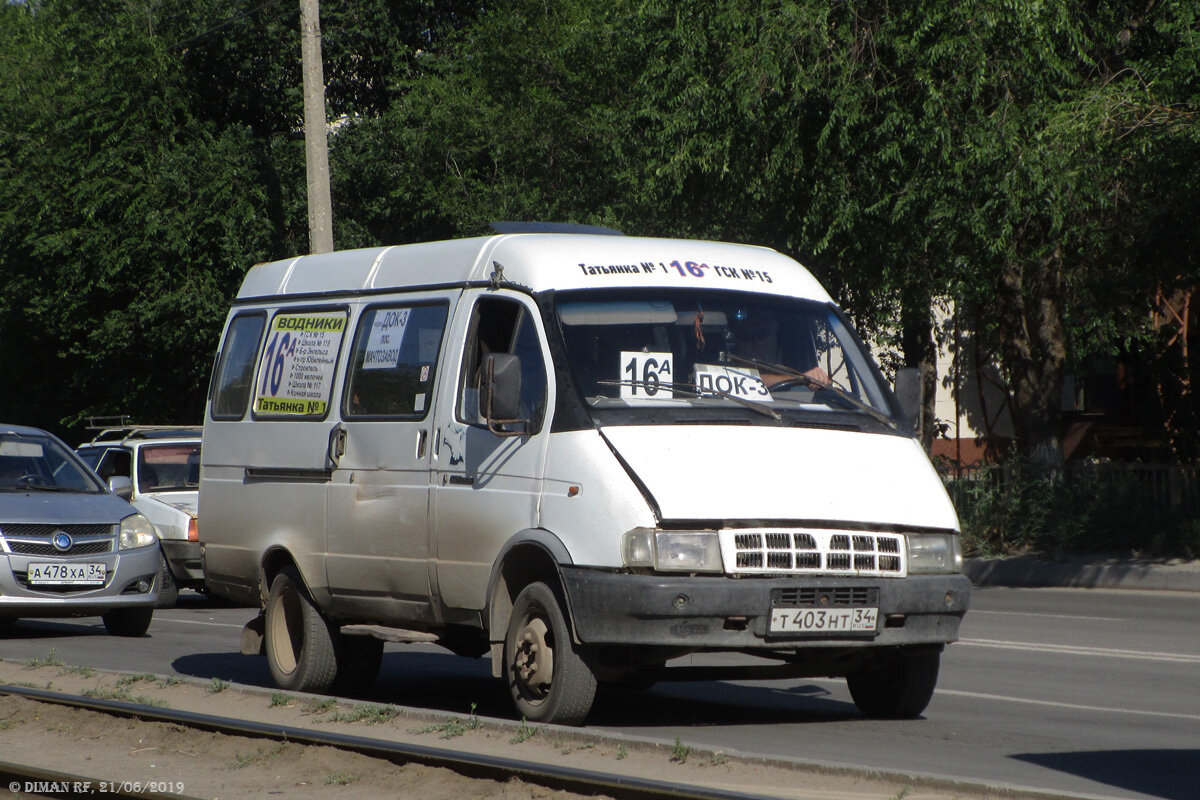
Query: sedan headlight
point(137, 531)
point(934, 552)
point(673, 551)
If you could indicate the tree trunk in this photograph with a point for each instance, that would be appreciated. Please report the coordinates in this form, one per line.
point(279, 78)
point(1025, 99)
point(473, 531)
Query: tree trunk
point(920, 351)
point(1034, 352)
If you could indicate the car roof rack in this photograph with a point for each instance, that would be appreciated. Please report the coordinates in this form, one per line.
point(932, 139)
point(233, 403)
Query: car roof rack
point(119, 429)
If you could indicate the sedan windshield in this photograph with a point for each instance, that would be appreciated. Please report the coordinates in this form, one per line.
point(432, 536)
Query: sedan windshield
point(39, 463)
point(693, 349)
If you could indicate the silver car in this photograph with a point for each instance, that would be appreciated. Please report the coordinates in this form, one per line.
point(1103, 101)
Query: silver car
point(70, 547)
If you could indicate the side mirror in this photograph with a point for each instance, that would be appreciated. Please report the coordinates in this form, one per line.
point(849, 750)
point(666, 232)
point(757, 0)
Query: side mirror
point(121, 486)
point(910, 391)
point(500, 392)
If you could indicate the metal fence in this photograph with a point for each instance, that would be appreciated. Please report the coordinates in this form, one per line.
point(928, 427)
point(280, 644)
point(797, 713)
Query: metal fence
point(1168, 487)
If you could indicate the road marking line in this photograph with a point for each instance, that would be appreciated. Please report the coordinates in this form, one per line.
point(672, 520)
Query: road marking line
point(1073, 706)
point(975, 612)
point(196, 622)
point(1076, 650)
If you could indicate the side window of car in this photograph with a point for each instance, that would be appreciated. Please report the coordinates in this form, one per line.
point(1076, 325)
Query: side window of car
point(115, 462)
point(234, 374)
point(500, 325)
point(394, 361)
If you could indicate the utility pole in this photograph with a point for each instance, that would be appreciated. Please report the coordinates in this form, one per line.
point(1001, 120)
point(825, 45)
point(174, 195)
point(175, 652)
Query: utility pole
point(316, 148)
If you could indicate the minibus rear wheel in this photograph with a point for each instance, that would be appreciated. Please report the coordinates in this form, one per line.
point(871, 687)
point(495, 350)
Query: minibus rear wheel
point(898, 688)
point(299, 641)
point(548, 679)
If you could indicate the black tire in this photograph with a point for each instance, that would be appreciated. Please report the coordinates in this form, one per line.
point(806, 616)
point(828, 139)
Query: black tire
point(168, 589)
point(358, 662)
point(300, 642)
point(128, 621)
point(900, 688)
point(548, 679)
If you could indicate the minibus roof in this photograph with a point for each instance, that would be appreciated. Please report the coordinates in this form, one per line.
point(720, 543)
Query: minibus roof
point(537, 262)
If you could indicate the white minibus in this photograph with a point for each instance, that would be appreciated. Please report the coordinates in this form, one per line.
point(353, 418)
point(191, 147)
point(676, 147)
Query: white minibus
point(583, 455)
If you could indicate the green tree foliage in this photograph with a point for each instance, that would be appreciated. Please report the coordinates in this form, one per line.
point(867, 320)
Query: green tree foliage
point(150, 150)
point(1009, 156)
point(1032, 162)
point(124, 219)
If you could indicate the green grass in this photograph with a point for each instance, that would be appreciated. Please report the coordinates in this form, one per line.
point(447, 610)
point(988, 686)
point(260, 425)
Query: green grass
point(680, 752)
point(83, 672)
point(280, 699)
point(340, 779)
point(372, 715)
point(217, 686)
point(126, 680)
point(122, 694)
point(524, 733)
point(319, 706)
point(50, 660)
point(260, 756)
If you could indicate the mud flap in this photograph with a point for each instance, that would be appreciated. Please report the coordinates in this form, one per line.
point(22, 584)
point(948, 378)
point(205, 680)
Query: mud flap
point(253, 636)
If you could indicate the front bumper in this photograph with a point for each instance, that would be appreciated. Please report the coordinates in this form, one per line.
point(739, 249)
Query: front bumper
point(124, 570)
point(724, 613)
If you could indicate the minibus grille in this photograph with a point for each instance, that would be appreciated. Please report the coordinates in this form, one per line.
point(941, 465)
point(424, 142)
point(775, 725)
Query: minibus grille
point(815, 552)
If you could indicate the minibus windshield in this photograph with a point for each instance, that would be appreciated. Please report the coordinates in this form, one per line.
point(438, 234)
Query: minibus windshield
point(678, 348)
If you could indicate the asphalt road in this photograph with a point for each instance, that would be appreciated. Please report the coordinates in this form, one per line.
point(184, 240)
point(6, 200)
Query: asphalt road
point(1086, 692)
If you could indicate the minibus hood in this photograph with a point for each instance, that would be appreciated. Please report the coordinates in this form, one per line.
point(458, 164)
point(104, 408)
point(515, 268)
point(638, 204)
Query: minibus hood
point(798, 474)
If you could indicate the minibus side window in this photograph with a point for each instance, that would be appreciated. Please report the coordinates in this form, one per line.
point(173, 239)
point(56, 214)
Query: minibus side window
point(394, 362)
point(504, 326)
point(235, 367)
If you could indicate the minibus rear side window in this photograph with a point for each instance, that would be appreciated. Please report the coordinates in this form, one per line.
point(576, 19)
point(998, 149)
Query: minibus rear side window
point(234, 375)
point(394, 362)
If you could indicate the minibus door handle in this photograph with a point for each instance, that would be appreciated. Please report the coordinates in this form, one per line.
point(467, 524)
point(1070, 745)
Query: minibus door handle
point(337, 445)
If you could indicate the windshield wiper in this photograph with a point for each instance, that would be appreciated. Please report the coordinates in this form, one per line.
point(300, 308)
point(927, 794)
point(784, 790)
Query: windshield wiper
point(780, 369)
point(692, 391)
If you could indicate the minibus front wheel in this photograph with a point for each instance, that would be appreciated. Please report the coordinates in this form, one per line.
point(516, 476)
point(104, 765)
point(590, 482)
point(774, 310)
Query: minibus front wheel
point(899, 686)
point(299, 641)
point(549, 680)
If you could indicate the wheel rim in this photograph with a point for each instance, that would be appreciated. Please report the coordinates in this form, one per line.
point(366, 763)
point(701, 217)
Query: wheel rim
point(285, 630)
point(533, 659)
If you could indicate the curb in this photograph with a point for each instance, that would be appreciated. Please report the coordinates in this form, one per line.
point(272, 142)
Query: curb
point(1031, 571)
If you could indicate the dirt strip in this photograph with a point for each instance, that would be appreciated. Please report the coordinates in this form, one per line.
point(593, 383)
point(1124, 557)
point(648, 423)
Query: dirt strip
point(199, 764)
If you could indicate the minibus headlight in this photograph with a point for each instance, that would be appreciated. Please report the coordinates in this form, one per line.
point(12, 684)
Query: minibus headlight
point(137, 531)
point(934, 552)
point(674, 551)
